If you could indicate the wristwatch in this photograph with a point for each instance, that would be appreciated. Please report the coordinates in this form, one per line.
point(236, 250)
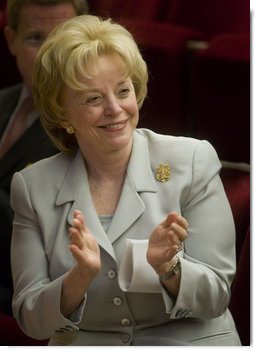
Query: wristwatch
point(174, 270)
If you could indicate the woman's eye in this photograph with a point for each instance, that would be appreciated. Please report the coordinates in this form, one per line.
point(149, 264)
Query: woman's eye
point(124, 92)
point(93, 100)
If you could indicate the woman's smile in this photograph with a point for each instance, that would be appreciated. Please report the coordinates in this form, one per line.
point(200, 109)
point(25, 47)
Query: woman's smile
point(115, 127)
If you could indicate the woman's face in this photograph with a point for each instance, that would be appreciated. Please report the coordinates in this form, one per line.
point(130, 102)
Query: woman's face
point(105, 114)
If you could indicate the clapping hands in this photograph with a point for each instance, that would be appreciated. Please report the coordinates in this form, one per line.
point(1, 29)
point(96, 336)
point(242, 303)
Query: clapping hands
point(166, 240)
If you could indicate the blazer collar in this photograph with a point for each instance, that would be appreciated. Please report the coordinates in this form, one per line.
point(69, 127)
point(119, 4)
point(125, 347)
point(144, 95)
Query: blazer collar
point(75, 189)
point(139, 167)
point(139, 172)
point(139, 178)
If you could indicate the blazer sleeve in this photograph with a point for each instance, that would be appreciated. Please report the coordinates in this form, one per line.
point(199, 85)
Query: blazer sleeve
point(208, 264)
point(36, 299)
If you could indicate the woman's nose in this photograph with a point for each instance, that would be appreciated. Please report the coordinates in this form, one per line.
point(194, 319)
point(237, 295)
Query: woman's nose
point(112, 107)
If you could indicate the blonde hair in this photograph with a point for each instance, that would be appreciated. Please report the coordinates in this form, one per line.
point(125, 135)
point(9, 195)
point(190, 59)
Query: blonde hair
point(70, 51)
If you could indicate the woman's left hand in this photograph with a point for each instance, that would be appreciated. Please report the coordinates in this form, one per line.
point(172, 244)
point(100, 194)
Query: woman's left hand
point(166, 240)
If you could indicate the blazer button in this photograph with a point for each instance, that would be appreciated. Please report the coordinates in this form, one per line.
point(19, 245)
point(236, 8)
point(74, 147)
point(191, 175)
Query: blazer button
point(117, 301)
point(111, 274)
point(125, 322)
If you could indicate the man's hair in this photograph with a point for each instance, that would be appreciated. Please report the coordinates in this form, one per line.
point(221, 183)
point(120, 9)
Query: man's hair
point(14, 7)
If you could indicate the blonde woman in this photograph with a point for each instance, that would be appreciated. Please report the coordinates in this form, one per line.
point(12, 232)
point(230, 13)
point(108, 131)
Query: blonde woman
point(126, 237)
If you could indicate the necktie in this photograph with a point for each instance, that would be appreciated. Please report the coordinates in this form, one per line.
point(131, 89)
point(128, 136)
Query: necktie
point(18, 126)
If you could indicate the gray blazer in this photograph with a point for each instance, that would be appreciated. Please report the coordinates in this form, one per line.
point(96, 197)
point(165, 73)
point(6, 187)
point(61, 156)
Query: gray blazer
point(44, 197)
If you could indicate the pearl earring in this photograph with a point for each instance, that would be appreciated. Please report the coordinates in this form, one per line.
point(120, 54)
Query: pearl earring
point(70, 130)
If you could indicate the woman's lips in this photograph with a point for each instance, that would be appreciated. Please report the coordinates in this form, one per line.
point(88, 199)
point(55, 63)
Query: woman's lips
point(115, 126)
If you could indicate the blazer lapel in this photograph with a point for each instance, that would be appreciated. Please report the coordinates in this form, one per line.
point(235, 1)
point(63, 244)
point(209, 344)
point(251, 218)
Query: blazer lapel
point(139, 179)
point(75, 188)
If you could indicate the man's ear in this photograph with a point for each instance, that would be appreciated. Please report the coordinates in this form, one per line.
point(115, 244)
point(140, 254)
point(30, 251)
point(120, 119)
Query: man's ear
point(10, 36)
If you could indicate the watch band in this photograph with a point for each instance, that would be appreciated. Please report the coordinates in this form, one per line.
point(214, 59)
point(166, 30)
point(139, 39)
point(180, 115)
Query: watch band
point(173, 270)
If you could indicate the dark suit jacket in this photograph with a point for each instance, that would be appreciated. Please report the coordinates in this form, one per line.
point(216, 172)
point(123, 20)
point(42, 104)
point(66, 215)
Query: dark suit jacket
point(33, 145)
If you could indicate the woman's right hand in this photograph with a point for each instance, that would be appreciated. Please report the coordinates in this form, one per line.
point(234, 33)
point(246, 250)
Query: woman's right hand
point(86, 253)
point(84, 247)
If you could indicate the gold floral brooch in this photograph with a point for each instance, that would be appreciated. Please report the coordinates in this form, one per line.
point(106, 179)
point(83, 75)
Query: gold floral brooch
point(163, 172)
